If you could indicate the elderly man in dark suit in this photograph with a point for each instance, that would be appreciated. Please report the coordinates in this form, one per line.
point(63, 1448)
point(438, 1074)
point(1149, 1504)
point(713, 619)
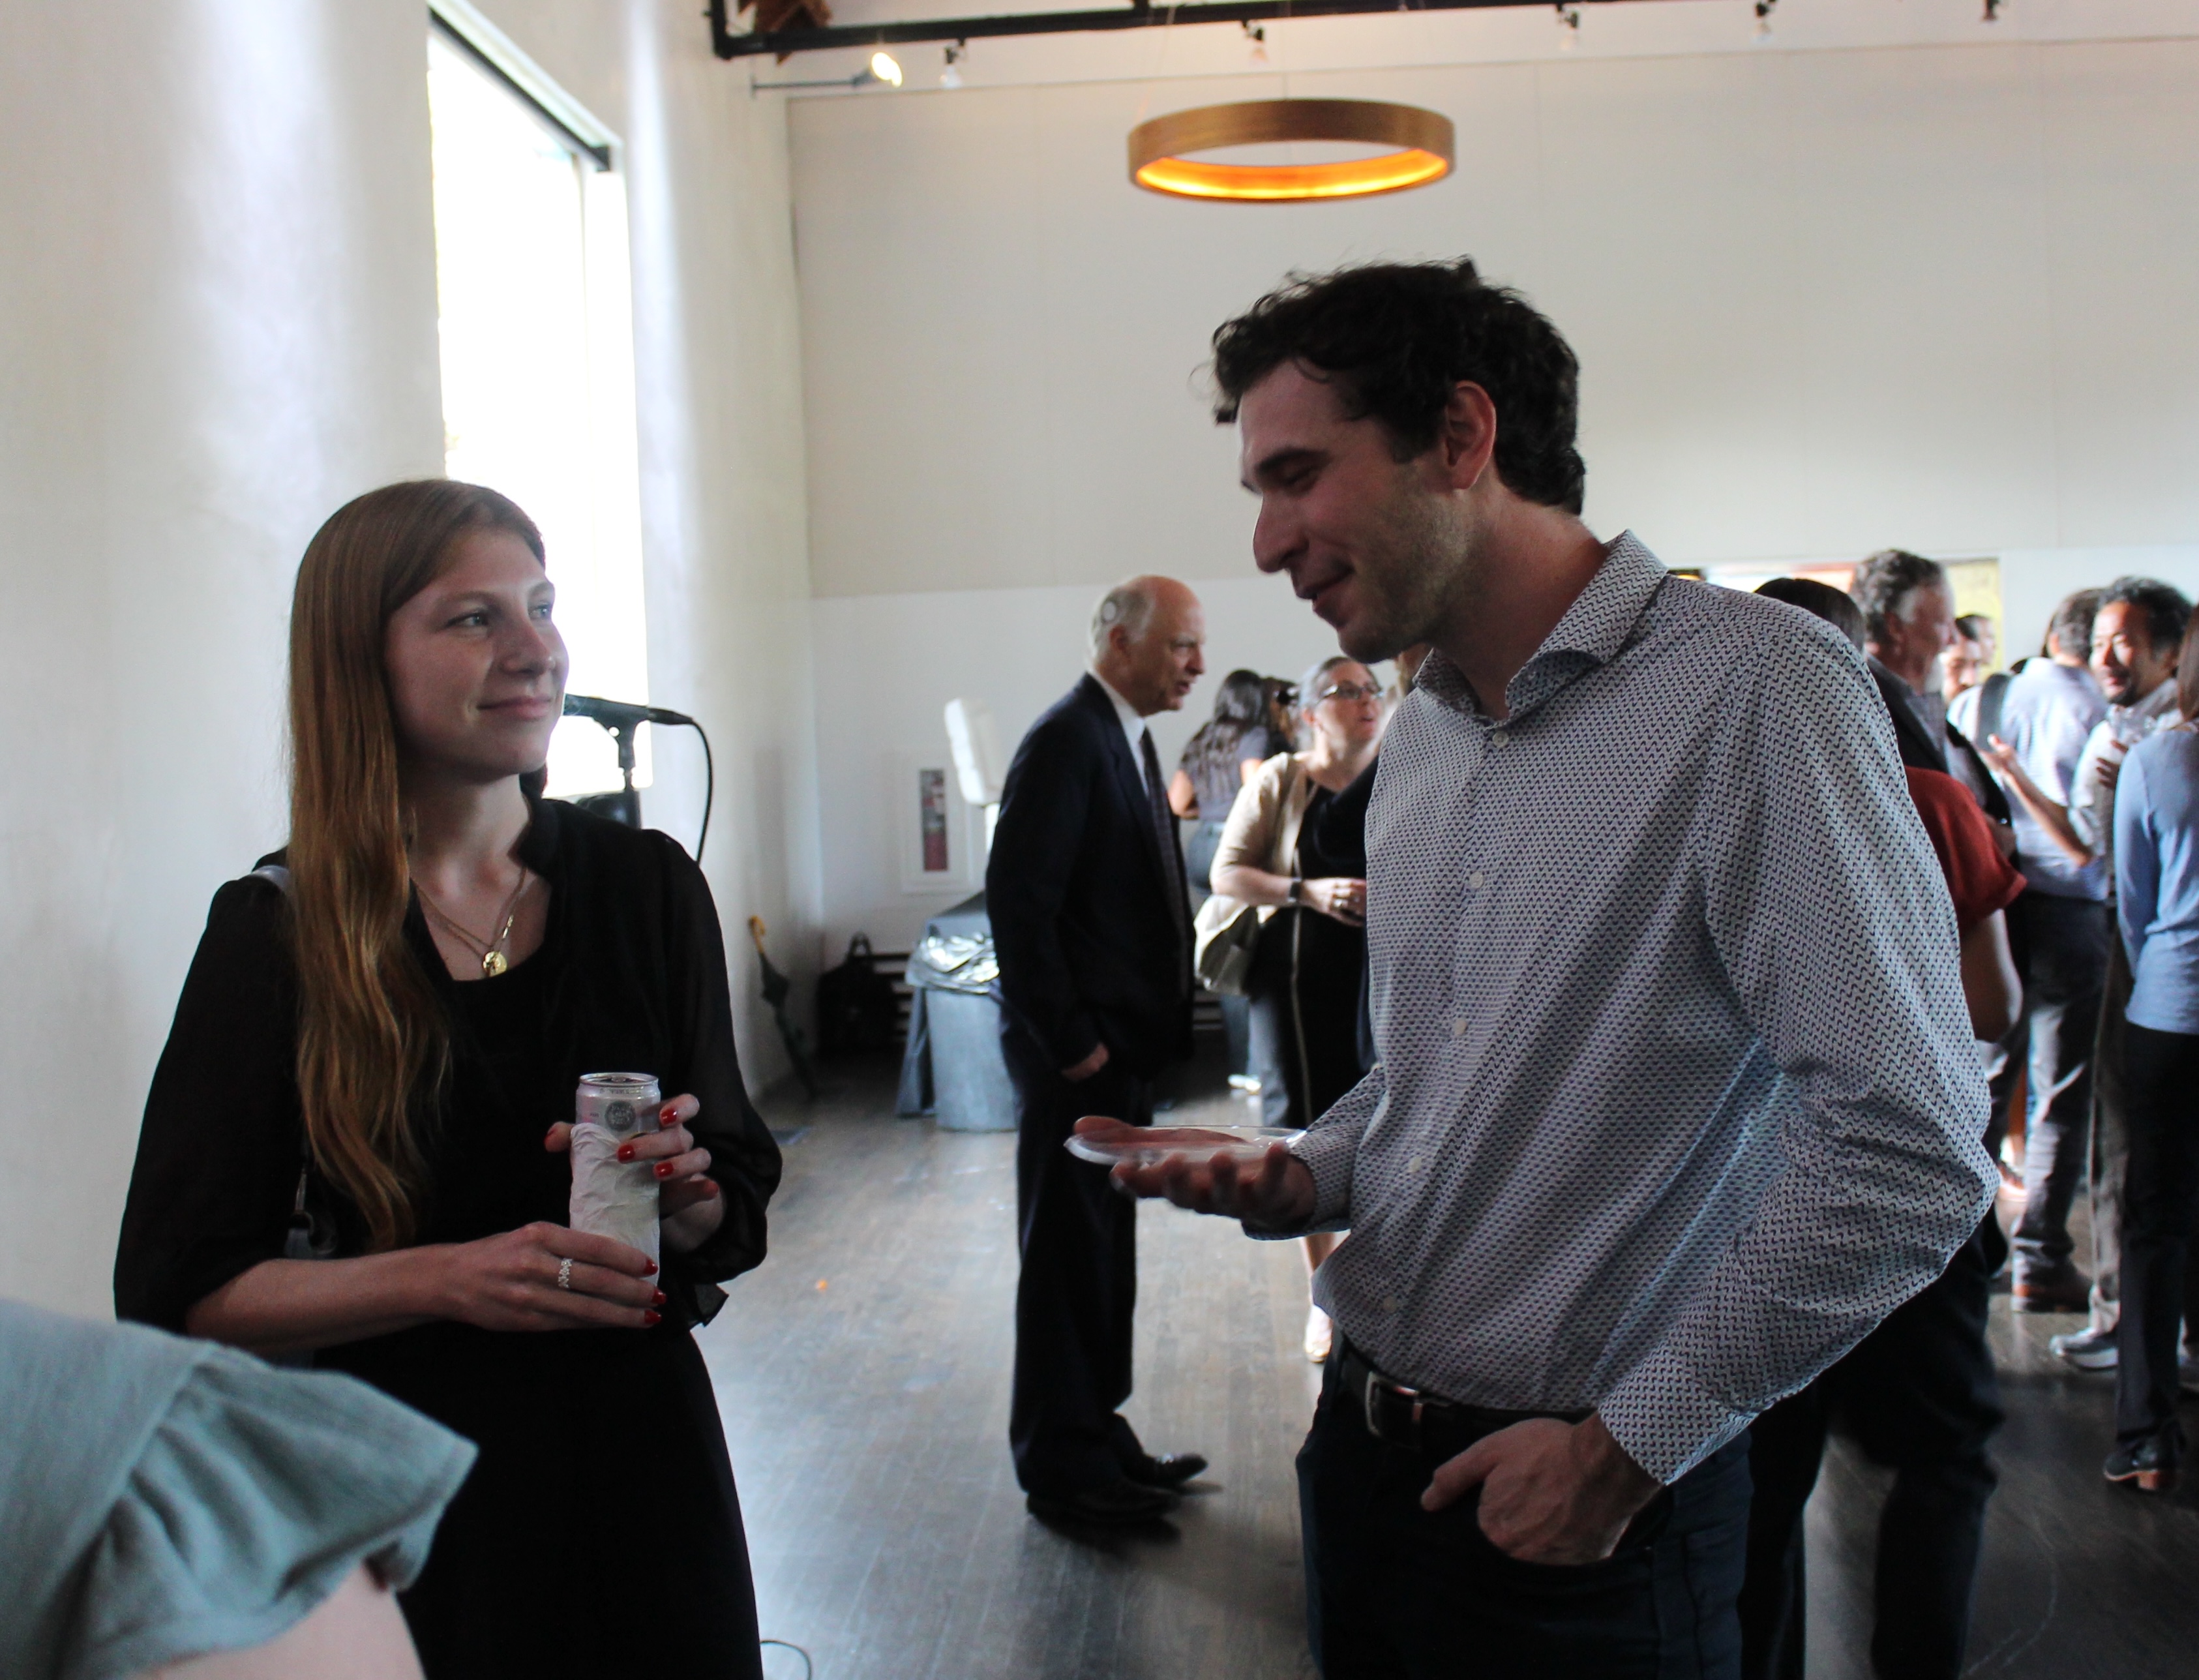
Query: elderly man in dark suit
point(1092, 926)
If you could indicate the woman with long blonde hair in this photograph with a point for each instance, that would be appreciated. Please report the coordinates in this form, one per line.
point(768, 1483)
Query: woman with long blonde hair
point(355, 1148)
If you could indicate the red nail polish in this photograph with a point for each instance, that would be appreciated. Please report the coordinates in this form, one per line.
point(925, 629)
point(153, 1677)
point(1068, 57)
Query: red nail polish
point(626, 1151)
point(669, 1115)
point(649, 1269)
point(658, 1300)
point(664, 1169)
point(650, 1319)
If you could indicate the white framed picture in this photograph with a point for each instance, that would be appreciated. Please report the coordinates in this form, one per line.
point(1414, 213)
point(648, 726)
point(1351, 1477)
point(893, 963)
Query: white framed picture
point(935, 833)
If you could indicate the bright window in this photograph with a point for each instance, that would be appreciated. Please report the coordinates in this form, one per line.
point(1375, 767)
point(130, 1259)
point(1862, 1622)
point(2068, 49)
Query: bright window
point(536, 319)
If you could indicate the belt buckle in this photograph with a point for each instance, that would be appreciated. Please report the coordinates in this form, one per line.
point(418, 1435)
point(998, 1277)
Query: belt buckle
point(1378, 1385)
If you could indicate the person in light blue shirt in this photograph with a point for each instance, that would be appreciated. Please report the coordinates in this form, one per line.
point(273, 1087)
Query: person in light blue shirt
point(2062, 924)
point(2157, 882)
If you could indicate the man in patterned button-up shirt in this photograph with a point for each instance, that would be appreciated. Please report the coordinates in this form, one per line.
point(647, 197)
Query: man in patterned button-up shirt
point(1677, 1097)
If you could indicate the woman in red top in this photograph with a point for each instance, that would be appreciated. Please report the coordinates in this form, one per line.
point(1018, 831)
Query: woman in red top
point(1983, 884)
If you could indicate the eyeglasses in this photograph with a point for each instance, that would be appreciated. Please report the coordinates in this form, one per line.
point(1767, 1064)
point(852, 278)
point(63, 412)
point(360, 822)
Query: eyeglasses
point(1349, 692)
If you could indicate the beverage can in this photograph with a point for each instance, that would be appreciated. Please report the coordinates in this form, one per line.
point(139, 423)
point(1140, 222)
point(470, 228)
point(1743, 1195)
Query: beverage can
point(622, 1104)
point(612, 1197)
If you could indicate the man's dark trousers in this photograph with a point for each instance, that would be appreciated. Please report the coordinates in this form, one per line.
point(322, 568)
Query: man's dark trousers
point(1394, 1592)
point(1079, 1285)
point(2161, 1206)
point(2068, 940)
point(1918, 1395)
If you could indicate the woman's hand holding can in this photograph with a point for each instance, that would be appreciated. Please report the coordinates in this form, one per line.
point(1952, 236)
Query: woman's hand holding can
point(687, 1196)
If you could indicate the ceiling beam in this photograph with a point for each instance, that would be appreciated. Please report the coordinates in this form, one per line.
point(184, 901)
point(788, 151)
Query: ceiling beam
point(729, 44)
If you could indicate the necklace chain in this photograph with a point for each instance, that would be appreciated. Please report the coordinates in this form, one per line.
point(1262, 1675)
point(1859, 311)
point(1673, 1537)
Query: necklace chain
point(493, 959)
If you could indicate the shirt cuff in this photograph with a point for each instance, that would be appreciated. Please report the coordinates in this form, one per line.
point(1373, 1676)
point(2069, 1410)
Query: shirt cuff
point(1665, 1420)
point(1327, 1153)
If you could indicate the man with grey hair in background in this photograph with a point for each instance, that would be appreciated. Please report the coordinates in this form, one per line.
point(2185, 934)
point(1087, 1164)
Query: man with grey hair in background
point(1092, 923)
point(1908, 623)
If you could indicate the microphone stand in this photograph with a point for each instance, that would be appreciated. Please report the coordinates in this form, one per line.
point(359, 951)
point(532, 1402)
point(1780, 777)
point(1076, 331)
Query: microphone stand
point(625, 805)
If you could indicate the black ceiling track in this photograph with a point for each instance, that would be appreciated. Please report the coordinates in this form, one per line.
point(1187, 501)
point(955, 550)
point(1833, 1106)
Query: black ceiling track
point(729, 44)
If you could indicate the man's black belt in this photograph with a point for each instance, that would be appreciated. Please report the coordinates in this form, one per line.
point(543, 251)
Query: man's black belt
point(1400, 1415)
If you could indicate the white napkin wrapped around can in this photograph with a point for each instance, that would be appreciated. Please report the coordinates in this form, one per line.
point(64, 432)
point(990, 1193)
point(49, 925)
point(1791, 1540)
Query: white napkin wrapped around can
point(612, 1197)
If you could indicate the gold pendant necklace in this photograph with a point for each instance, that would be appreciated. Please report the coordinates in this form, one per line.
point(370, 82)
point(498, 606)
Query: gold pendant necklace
point(494, 961)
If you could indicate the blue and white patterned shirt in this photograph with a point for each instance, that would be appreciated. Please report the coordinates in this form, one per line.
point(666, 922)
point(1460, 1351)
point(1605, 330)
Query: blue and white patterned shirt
point(1676, 1097)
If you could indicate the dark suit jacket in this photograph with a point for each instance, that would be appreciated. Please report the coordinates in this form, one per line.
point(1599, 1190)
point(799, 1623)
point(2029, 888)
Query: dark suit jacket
point(1919, 751)
point(1075, 887)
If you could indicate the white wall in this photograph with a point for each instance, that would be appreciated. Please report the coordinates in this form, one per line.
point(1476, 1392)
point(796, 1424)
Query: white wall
point(1825, 301)
point(218, 320)
point(218, 323)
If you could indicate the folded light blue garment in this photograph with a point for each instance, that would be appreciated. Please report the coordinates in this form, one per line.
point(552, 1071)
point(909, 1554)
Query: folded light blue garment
point(160, 1498)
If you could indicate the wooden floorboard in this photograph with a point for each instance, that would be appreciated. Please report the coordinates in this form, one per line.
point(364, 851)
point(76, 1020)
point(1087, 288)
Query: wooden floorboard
point(862, 1373)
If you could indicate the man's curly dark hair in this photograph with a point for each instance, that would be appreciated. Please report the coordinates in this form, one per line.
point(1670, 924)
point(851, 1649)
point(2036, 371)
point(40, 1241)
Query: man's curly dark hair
point(1396, 338)
point(2166, 612)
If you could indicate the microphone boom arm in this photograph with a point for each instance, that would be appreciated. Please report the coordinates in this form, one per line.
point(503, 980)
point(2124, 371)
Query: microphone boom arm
point(623, 718)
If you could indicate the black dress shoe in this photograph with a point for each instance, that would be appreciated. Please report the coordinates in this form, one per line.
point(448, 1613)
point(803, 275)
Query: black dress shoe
point(1170, 1470)
point(1112, 1505)
point(2148, 1466)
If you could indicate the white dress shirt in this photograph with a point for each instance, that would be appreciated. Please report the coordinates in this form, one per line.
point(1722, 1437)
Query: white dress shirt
point(1134, 728)
point(2092, 804)
point(1675, 1096)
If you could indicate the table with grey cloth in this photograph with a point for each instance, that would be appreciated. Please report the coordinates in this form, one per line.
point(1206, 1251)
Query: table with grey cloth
point(952, 1068)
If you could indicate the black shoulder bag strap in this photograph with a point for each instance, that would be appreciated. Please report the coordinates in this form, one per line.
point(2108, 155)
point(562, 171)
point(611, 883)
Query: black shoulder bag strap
point(306, 1240)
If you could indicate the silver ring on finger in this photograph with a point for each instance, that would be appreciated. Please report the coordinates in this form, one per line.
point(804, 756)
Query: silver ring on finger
point(565, 1273)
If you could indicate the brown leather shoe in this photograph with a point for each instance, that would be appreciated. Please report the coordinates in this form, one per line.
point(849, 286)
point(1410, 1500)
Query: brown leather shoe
point(2147, 1466)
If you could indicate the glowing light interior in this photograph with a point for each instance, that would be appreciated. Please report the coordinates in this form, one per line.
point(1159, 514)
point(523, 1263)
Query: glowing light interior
point(1390, 172)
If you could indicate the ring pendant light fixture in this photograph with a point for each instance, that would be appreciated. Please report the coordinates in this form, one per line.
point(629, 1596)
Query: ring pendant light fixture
point(1425, 147)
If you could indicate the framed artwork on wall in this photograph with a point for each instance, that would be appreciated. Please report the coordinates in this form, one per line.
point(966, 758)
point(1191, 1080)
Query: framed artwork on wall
point(935, 835)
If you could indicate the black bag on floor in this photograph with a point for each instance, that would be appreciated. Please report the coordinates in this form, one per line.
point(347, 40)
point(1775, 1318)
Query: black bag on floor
point(855, 1003)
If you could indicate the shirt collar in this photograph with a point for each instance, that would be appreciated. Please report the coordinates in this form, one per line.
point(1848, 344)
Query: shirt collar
point(1591, 632)
point(2160, 702)
point(1133, 725)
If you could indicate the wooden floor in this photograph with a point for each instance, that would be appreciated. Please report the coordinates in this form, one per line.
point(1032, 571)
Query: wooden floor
point(863, 1376)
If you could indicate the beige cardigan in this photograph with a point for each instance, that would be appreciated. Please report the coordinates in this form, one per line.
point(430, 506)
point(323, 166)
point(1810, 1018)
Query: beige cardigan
point(1262, 830)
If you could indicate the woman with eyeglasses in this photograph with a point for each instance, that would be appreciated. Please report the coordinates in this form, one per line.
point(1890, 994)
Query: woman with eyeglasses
point(1305, 977)
point(357, 1144)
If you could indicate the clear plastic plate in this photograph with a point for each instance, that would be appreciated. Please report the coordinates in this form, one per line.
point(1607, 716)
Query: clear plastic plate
point(1247, 1145)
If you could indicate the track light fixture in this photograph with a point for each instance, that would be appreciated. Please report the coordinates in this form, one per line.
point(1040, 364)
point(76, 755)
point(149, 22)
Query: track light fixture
point(883, 71)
